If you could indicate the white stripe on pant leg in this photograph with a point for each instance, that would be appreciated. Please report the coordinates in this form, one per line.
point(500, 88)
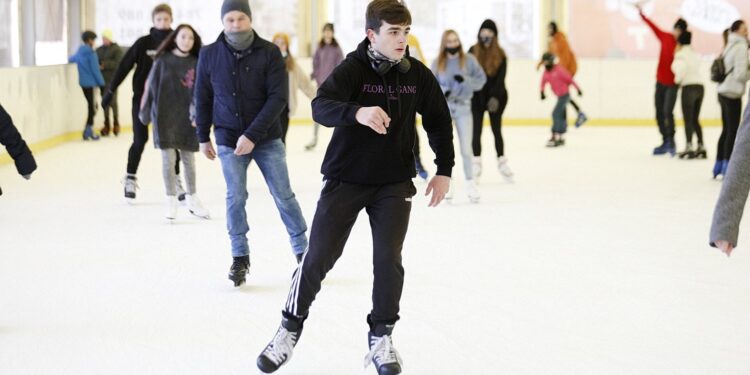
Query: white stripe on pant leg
point(297, 282)
point(290, 297)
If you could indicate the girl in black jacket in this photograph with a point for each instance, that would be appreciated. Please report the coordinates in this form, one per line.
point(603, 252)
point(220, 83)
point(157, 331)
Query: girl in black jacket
point(17, 148)
point(492, 98)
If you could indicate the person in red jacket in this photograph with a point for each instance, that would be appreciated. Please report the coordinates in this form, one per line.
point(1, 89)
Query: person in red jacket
point(666, 90)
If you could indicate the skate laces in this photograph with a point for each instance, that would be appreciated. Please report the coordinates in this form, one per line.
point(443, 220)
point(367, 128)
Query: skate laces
point(130, 184)
point(281, 347)
point(382, 351)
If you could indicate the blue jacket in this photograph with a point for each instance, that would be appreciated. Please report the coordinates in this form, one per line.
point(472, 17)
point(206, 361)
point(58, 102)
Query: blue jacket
point(89, 74)
point(240, 92)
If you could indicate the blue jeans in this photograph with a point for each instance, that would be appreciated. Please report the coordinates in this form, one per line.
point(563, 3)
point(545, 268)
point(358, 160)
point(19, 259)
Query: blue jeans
point(271, 159)
point(560, 115)
point(464, 122)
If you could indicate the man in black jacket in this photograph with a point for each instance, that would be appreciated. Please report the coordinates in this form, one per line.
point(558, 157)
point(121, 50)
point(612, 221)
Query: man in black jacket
point(16, 146)
point(141, 54)
point(371, 99)
point(241, 88)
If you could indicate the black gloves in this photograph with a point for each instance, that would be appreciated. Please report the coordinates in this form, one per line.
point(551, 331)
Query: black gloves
point(543, 96)
point(459, 78)
point(580, 93)
point(448, 93)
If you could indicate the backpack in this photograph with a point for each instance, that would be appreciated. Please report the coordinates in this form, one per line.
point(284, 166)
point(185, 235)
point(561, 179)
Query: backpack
point(719, 71)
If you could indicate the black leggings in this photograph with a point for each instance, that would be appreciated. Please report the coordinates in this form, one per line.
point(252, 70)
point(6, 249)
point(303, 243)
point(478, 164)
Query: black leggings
point(731, 110)
point(496, 124)
point(140, 137)
point(88, 92)
point(692, 98)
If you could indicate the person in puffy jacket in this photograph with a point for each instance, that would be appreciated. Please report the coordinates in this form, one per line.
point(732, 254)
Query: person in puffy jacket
point(89, 76)
point(241, 90)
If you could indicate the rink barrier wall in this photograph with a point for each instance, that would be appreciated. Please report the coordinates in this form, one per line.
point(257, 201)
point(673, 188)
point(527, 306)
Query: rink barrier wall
point(616, 93)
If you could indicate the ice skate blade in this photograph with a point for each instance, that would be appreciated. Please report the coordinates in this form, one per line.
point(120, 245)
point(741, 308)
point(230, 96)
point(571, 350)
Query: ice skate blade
point(205, 217)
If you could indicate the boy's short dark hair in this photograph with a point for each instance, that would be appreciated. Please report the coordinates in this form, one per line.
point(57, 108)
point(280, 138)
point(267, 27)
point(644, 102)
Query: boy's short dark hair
point(392, 11)
point(87, 36)
point(162, 8)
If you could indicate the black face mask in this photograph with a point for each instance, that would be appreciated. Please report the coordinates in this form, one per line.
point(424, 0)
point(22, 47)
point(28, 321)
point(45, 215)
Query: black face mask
point(453, 50)
point(486, 40)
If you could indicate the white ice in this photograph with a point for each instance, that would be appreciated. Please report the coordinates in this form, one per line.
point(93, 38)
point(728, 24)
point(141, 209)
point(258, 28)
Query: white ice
point(595, 261)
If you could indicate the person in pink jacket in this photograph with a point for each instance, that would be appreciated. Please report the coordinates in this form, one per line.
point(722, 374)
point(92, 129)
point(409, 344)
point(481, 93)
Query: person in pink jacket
point(560, 81)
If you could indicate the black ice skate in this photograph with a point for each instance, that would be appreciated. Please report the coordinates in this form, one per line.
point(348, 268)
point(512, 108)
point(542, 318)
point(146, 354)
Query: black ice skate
point(700, 152)
point(239, 270)
point(130, 186)
point(279, 350)
point(382, 354)
point(688, 153)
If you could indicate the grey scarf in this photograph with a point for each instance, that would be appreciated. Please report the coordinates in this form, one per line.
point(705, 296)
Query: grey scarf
point(240, 40)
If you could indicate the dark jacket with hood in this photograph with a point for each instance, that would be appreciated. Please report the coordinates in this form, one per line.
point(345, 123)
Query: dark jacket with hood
point(240, 92)
point(356, 153)
point(494, 87)
point(142, 55)
point(16, 146)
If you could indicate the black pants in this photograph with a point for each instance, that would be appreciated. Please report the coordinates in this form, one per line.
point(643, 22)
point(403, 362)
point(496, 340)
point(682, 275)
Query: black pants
point(88, 92)
point(388, 207)
point(284, 123)
point(496, 124)
point(140, 137)
point(665, 99)
point(731, 112)
point(692, 98)
point(115, 110)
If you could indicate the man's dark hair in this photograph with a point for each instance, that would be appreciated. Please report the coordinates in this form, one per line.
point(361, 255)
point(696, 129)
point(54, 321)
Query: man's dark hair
point(685, 38)
point(681, 24)
point(88, 35)
point(553, 26)
point(392, 11)
point(736, 25)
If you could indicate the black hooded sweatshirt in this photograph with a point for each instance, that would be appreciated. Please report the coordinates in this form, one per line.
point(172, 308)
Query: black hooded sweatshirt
point(359, 155)
point(141, 54)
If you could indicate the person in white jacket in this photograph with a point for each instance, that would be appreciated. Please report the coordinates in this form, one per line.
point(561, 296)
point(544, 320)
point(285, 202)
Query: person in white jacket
point(731, 91)
point(686, 68)
point(298, 80)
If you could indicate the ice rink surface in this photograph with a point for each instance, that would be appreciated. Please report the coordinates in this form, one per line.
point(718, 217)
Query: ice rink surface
point(595, 261)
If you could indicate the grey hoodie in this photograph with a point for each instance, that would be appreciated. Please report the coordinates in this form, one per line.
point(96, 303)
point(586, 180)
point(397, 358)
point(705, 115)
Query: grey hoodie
point(734, 190)
point(460, 93)
point(736, 60)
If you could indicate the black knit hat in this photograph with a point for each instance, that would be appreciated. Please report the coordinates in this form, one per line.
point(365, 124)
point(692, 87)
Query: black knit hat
point(685, 38)
point(490, 25)
point(239, 5)
point(681, 24)
point(548, 58)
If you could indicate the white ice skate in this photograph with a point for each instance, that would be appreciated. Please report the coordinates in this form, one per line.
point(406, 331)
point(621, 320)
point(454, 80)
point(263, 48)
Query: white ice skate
point(172, 205)
point(472, 191)
point(196, 207)
point(502, 166)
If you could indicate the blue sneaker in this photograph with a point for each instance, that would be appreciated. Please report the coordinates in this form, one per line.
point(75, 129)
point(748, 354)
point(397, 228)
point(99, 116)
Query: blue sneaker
point(718, 167)
point(581, 119)
point(666, 148)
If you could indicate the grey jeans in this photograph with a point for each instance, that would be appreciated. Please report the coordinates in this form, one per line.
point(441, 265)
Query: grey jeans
point(169, 158)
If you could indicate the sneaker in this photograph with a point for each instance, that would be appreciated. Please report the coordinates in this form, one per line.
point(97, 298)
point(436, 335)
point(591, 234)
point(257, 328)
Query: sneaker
point(666, 148)
point(130, 186)
point(472, 191)
point(502, 166)
point(476, 166)
point(172, 205)
point(382, 353)
point(279, 350)
point(581, 119)
point(196, 207)
point(180, 190)
point(239, 270)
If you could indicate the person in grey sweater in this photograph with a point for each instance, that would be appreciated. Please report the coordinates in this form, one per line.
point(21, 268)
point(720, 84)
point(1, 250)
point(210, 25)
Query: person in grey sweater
point(460, 75)
point(167, 102)
point(734, 191)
